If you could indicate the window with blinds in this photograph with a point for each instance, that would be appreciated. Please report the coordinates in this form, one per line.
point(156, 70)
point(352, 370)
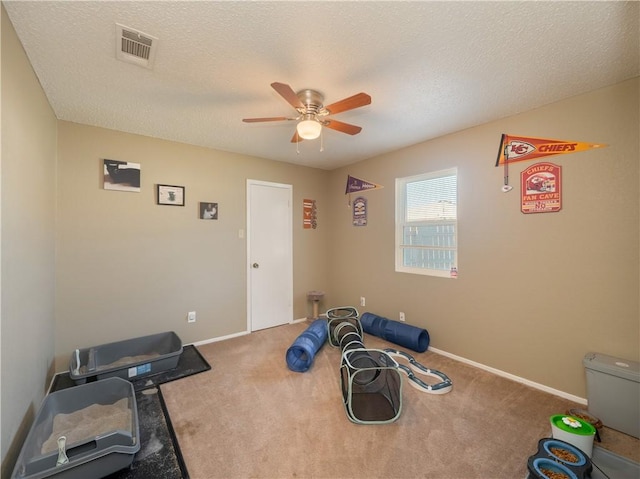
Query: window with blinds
point(427, 223)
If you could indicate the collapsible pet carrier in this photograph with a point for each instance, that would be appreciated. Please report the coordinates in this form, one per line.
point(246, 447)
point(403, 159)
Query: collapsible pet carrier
point(370, 378)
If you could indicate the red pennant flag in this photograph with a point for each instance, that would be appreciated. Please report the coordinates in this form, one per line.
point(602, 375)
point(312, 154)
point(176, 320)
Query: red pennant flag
point(522, 148)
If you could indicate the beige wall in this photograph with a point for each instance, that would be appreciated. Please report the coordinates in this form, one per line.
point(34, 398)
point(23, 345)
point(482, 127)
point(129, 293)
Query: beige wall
point(127, 267)
point(28, 212)
point(535, 292)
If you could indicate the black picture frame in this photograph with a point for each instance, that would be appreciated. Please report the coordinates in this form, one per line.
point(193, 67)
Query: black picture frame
point(208, 210)
point(170, 195)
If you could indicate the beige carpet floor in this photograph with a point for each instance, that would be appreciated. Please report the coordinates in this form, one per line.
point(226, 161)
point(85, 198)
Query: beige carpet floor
point(251, 417)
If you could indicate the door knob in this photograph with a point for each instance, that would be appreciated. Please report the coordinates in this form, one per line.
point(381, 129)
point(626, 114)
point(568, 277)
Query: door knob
point(255, 265)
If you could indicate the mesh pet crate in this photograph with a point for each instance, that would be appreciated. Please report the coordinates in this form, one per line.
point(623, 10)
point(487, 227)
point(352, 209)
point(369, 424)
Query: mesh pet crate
point(371, 385)
point(371, 381)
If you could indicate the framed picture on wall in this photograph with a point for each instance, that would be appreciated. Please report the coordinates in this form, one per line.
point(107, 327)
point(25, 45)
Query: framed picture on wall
point(170, 195)
point(121, 175)
point(208, 211)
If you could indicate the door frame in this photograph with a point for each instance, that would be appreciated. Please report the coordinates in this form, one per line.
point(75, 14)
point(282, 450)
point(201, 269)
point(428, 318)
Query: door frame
point(250, 183)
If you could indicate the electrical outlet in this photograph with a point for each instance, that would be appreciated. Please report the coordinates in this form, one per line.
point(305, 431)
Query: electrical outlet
point(401, 316)
point(362, 301)
point(191, 317)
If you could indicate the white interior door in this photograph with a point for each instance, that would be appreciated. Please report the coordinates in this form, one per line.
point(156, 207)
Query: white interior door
point(269, 255)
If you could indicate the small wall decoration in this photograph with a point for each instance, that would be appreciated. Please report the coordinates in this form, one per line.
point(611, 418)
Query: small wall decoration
point(121, 175)
point(309, 214)
point(541, 187)
point(360, 211)
point(170, 195)
point(356, 184)
point(208, 211)
point(522, 148)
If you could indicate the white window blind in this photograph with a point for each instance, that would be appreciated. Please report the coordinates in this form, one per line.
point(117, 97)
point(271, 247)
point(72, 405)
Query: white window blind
point(426, 223)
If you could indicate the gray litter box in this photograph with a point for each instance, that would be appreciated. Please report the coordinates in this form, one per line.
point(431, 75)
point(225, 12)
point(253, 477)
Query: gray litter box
point(94, 448)
point(613, 465)
point(613, 391)
point(128, 359)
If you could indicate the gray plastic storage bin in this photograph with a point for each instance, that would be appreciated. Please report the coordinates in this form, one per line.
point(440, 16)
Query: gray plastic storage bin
point(101, 451)
point(128, 359)
point(613, 466)
point(613, 391)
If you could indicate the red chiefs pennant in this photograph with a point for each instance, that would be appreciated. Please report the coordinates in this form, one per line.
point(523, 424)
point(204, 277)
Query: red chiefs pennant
point(521, 148)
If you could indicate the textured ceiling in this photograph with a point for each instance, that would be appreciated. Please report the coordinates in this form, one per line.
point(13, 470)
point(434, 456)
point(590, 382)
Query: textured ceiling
point(431, 68)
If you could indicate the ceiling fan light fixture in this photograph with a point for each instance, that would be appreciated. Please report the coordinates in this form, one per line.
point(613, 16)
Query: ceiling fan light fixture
point(309, 129)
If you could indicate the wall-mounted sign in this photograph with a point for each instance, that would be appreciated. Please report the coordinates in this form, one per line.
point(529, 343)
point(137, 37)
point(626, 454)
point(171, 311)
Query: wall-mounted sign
point(541, 188)
point(360, 211)
point(309, 214)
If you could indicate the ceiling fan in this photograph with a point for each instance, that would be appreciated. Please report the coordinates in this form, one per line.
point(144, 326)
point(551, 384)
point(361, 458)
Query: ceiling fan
point(312, 113)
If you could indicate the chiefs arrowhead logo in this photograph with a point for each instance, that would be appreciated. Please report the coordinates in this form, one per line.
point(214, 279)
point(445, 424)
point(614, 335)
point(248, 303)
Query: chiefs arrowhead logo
point(517, 149)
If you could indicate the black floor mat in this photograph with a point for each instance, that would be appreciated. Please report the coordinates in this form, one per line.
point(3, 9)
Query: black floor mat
point(159, 456)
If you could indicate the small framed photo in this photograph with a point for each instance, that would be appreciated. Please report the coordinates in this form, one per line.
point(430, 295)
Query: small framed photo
point(208, 210)
point(121, 175)
point(170, 195)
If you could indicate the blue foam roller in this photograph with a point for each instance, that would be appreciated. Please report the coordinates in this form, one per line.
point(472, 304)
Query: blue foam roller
point(396, 332)
point(303, 350)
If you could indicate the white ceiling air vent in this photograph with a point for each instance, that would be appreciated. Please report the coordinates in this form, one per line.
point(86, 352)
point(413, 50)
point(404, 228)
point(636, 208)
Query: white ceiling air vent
point(133, 46)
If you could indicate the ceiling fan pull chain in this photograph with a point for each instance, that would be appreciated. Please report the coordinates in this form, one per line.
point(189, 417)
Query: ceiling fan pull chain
point(297, 145)
point(321, 141)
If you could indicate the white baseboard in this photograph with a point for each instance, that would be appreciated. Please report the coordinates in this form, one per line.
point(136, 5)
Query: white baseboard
point(234, 335)
point(220, 338)
point(513, 377)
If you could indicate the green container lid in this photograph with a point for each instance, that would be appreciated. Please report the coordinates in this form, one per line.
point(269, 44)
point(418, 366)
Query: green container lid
point(572, 425)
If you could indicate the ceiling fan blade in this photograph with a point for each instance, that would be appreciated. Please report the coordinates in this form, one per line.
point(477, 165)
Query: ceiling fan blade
point(343, 127)
point(355, 101)
point(296, 138)
point(286, 92)
point(274, 118)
